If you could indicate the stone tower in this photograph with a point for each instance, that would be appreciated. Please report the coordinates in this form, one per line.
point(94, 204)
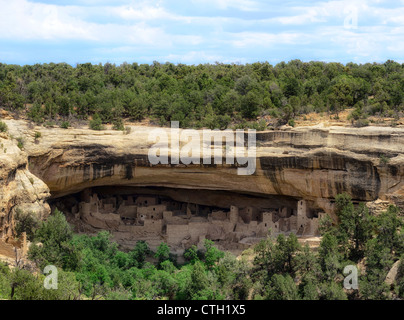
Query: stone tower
point(233, 216)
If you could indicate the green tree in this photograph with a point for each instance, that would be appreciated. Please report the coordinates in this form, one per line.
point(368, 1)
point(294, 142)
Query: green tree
point(264, 266)
point(138, 254)
point(5, 288)
point(199, 281)
point(285, 251)
point(341, 94)
point(329, 256)
point(307, 265)
point(162, 253)
point(25, 286)
point(212, 254)
point(250, 105)
point(191, 254)
point(388, 225)
point(96, 123)
point(26, 222)
point(54, 234)
point(283, 288)
point(354, 226)
point(332, 291)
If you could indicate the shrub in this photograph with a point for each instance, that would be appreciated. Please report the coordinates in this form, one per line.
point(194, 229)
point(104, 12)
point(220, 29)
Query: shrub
point(55, 234)
point(36, 113)
point(26, 222)
point(49, 124)
point(20, 142)
point(361, 123)
point(65, 125)
point(96, 123)
point(384, 160)
point(128, 130)
point(118, 125)
point(3, 127)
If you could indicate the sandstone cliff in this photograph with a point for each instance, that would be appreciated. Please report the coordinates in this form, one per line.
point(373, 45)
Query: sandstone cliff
point(312, 163)
point(19, 188)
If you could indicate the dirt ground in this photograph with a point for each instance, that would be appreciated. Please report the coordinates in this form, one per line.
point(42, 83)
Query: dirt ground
point(329, 120)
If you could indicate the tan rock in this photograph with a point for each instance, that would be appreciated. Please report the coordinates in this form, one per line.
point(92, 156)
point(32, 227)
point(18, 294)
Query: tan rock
point(391, 276)
point(19, 188)
point(319, 164)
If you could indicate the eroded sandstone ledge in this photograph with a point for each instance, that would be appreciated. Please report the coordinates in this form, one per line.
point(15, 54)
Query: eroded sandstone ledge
point(19, 188)
point(311, 163)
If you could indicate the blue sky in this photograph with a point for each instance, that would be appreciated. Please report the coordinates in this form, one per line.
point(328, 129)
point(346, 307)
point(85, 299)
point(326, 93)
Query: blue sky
point(200, 31)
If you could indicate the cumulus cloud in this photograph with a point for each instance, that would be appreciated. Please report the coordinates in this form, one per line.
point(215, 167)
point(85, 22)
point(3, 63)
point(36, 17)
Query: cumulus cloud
point(20, 19)
point(209, 30)
point(243, 5)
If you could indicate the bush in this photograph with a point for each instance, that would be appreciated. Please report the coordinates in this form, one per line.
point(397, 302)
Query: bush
point(361, 123)
point(138, 254)
point(118, 125)
point(162, 253)
point(3, 127)
point(128, 130)
point(26, 222)
point(283, 288)
point(291, 122)
point(49, 124)
point(96, 123)
point(36, 113)
point(20, 142)
point(54, 234)
point(65, 125)
point(384, 160)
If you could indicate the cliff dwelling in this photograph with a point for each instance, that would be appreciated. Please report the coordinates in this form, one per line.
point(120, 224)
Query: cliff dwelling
point(185, 217)
point(103, 180)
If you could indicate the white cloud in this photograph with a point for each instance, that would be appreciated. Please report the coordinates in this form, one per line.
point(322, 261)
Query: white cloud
point(242, 5)
point(126, 26)
point(196, 57)
point(322, 12)
point(143, 12)
point(23, 20)
point(20, 19)
point(310, 15)
point(261, 39)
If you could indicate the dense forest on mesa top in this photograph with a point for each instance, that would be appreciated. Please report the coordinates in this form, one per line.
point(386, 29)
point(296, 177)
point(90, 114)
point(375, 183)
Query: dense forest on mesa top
point(209, 95)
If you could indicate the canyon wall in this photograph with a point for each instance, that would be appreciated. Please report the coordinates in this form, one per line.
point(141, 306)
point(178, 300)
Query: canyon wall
point(311, 163)
point(20, 190)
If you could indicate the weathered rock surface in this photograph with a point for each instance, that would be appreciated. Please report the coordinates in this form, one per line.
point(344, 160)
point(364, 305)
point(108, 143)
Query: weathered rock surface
point(312, 163)
point(19, 188)
point(392, 275)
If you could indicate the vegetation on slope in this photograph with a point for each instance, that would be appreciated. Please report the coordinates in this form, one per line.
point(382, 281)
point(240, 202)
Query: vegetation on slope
point(92, 267)
point(214, 96)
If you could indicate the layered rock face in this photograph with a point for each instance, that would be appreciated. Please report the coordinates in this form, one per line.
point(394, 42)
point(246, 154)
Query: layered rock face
point(294, 166)
point(310, 163)
point(20, 190)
